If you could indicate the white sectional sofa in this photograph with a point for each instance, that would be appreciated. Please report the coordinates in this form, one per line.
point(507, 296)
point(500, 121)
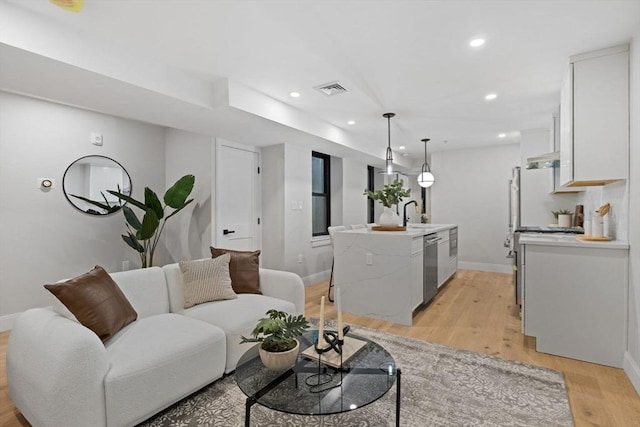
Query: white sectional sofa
point(61, 374)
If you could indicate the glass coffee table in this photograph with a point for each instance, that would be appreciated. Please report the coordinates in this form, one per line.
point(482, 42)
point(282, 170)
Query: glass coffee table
point(314, 388)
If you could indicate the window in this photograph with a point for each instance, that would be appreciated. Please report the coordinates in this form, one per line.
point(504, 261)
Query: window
point(370, 186)
point(320, 193)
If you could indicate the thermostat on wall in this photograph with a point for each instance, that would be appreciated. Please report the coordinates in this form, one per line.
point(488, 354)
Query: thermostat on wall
point(46, 183)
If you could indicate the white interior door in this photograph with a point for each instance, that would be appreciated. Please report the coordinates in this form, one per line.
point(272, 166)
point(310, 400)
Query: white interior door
point(237, 197)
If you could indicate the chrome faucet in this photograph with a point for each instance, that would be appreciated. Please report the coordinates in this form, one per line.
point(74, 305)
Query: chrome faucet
point(404, 212)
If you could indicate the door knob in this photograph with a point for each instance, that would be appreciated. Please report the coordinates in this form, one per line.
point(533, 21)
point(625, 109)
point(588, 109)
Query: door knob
point(225, 231)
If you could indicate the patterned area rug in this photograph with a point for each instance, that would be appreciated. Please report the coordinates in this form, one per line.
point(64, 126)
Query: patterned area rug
point(441, 386)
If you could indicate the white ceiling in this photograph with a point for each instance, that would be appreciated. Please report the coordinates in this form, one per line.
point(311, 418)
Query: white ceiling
point(402, 56)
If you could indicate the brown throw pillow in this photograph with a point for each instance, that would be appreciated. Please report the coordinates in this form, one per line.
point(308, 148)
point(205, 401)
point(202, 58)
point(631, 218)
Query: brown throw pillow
point(244, 268)
point(206, 280)
point(96, 301)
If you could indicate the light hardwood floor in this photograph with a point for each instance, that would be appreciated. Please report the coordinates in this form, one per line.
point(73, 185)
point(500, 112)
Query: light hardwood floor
point(474, 311)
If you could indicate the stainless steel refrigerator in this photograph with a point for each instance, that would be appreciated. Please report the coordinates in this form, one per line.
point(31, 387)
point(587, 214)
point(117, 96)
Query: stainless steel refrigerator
point(511, 241)
point(514, 203)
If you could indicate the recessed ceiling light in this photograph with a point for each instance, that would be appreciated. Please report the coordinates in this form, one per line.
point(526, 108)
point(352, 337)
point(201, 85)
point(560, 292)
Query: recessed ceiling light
point(351, 122)
point(476, 42)
point(490, 96)
point(502, 135)
point(402, 147)
point(294, 94)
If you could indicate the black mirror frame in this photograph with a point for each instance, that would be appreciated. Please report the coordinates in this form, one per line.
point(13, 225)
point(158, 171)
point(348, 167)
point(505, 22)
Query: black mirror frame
point(95, 213)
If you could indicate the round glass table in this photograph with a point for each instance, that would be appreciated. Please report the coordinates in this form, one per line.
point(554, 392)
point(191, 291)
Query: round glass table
point(313, 387)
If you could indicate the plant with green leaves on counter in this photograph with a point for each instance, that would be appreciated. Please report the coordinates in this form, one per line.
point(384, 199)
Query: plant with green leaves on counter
point(391, 194)
point(561, 212)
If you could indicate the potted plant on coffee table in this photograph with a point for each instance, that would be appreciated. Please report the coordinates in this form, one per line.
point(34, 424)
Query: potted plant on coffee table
point(276, 333)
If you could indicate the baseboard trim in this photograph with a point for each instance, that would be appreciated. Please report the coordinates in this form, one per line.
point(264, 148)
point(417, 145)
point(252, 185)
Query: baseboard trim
point(6, 322)
point(493, 268)
point(632, 370)
point(316, 277)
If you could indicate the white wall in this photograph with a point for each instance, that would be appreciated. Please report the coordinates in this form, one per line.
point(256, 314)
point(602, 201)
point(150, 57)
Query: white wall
point(187, 235)
point(535, 201)
point(286, 178)
point(336, 190)
point(632, 357)
point(273, 206)
point(354, 182)
point(297, 182)
point(44, 238)
point(471, 191)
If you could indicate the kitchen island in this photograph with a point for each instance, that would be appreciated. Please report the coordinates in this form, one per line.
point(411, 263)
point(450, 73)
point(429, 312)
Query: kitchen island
point(381, 274)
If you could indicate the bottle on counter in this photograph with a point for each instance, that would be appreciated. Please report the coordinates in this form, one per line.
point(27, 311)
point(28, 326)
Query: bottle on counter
point(587, 225)
point(578, 217)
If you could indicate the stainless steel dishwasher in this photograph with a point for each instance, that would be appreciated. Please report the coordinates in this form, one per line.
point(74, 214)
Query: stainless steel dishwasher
point(430, 267)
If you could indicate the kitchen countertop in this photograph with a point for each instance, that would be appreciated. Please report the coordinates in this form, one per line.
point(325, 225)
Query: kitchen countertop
point(413, 230)
point(568, 240)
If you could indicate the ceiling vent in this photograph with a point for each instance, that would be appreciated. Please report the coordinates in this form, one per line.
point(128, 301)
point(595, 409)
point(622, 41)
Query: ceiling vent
point(330, 89)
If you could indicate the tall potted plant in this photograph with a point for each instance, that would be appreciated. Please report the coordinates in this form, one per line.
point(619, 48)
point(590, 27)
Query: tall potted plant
point(143, 236)
point(391, 194)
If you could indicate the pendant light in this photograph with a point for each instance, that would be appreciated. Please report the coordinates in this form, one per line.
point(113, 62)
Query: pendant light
point(388, 166)
point(426, 178)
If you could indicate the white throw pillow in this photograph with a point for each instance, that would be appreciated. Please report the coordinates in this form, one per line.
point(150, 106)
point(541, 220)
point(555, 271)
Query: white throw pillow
point(206, 280)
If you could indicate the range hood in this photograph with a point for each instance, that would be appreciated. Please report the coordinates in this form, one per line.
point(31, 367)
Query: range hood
point(549, 160)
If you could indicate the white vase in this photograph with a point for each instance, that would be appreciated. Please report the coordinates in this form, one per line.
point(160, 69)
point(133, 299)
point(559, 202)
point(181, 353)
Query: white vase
point(389, 218)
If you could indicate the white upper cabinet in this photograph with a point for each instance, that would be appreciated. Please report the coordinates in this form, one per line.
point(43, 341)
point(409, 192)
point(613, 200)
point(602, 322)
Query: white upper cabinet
point(554, 173)
point(594, 118)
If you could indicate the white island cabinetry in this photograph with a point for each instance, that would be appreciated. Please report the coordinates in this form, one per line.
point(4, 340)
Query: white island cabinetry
point(575, 298)
point(447, 259)
point(443, 257)
point(381, 273)
point(417, 270)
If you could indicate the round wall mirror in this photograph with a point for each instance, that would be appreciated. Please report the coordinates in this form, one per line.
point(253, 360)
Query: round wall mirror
point(87, 180)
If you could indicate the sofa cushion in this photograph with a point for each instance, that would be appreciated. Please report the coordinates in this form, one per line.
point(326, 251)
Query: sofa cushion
point(146, 290)
point(236, 318)
point(206, 280)
point(96, 301)
point(244, 268)
point(157, 361)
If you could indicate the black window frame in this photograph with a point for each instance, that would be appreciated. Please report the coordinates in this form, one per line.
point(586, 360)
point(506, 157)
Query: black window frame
point(327, 194)
point(370, 186)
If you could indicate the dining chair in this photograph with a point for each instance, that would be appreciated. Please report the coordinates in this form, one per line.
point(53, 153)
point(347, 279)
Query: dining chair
point(332, 230)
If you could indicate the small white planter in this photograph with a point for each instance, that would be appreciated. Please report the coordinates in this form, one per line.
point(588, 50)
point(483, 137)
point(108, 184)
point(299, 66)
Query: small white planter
point(564, 220)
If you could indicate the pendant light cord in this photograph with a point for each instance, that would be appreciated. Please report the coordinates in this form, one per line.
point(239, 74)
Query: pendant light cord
point(425, 165)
